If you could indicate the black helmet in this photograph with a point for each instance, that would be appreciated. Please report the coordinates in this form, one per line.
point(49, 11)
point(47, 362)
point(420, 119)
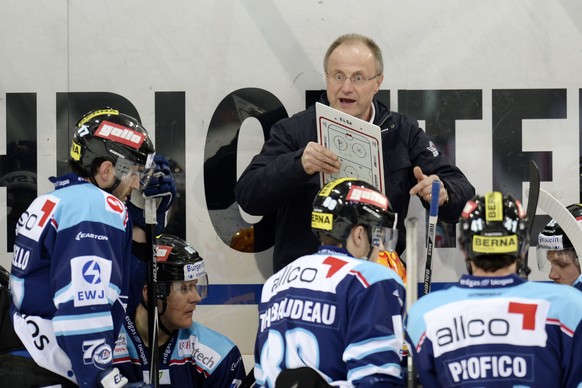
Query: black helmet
point(179, 261)
point(494, 225)
point(107, 134)
point(346, 202)
point(553, 237)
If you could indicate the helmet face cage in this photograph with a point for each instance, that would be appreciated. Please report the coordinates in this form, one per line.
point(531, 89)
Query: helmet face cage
point(494, 225)
point(344, 203)
point(384, 238)
point(107, 134)
point(553, 242)
point(179, 264)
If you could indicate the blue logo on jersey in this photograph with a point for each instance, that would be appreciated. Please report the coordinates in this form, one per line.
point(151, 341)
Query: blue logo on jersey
point(92, 272)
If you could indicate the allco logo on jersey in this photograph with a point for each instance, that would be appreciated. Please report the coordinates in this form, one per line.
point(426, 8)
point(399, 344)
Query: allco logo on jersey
point(493, 321)
point(120, 134)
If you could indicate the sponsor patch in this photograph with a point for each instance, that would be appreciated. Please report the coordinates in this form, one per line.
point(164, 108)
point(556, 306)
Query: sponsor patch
point(509, 321)
point(90, 280)
point(432, 148)
point(120, 134)
point(38, 215)
point(162, 253)
point(551, 242)
point(194, 271)
point(321, 220)
point(203, 355)
point(97, 352)
point(493, 206)
point(114, 204)
point(365, 195)
point(75, 151)
point(495, 244)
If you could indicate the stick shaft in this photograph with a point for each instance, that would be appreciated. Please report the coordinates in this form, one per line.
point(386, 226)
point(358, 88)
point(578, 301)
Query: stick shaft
point(432, 222)
point(532, 204)
point(150, 218)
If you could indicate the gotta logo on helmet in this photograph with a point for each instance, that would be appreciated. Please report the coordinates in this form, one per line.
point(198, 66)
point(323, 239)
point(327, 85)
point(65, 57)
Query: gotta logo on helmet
point(322, 220)
point(120, 134)
point(365, 195)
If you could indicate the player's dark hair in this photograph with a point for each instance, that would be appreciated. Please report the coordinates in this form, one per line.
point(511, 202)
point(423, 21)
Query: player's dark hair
point(491, 264)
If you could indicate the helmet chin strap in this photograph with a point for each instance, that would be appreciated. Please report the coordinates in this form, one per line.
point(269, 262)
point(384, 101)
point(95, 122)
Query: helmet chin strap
point(161, 325)
point(112, 188)
point(368, 256)
point(106, 189)
point(370, 246)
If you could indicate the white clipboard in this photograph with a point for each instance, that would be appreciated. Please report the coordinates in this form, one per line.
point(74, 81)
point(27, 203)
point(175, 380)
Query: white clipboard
point(357, 143)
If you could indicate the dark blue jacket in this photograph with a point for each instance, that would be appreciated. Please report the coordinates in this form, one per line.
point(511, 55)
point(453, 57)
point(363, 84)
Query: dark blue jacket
point(275, 180)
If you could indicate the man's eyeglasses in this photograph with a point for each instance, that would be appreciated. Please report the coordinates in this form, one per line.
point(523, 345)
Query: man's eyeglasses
point(356, 79)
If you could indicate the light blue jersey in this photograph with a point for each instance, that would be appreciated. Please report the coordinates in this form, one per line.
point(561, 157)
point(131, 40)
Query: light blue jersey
point(339, 315)
point(498, 332)
point(70, 278)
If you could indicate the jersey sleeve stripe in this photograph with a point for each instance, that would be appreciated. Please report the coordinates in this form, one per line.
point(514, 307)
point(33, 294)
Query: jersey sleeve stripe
point(360, 350)
point(82, 324)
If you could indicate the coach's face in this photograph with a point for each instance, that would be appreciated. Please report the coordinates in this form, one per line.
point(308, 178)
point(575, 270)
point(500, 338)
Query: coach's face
point(352, 79)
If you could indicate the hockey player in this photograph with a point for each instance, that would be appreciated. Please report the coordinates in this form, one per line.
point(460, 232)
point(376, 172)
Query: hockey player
point(334, 311)
point(70, 270)
point(556, 254)
point(190, 354)
point(162, 189)
point(494, 329)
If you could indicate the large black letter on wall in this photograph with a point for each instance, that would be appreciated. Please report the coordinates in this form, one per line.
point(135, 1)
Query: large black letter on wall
point(220, 166)
point(171, 142)
point(18, 167)
point(440, 109)
point(510, 108)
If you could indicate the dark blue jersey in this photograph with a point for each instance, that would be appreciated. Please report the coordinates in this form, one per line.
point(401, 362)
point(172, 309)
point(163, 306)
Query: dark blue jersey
point(498, 332)
point(193, 357)
point(69, 279)
point(331, 312)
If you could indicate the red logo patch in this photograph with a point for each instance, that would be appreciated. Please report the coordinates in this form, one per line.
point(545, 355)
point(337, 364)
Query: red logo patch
point(115, 204)
point(162, 253)
point(120, 134)
point(365, 195)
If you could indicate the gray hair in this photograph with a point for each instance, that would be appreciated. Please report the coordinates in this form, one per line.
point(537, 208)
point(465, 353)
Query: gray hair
point(353, 37)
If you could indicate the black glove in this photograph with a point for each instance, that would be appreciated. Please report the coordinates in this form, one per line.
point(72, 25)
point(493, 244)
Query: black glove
point(161, 187)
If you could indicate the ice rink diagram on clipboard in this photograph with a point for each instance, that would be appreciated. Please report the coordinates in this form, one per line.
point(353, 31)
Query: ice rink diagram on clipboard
point(357, 144)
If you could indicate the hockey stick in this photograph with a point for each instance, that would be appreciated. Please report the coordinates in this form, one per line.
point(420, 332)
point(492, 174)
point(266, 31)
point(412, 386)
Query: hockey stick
point(532, 204)
point(150, 208)
point(563, 217)
point(412, 286)
point(433, 215)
